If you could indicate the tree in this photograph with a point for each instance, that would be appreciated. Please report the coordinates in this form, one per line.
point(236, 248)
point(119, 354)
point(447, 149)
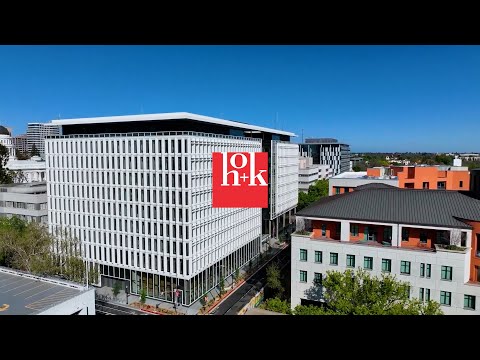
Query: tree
point(316, 191)
point(34, 151)
point(18, 177)
point(221, 285)
point(116, 289)
point(359, 293)
point(277, 305)
point(22, 156)
point(143, 296)
point(274, 282)
point(236, 276)
point(28, 246)
point(311, 310)
point(5, 174)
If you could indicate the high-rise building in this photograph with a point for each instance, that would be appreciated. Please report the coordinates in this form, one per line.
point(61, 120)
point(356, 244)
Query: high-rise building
point(137, 191)
point(327, 151)
point(430, 239)
point(36, 134)
point(21, 143)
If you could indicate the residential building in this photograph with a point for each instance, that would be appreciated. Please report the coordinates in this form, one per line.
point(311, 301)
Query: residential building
point(137, 191)
point(31, 170)
point(442, 177)
point(7, 141)
point(26, 294)
point(36, 134)
point(327, 151)
point(309, 173)
point(27, 201)
point(403, 232)
point(21, 143)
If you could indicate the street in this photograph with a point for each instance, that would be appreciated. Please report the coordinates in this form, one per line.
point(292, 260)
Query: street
point(104, 308)
point(238, 299)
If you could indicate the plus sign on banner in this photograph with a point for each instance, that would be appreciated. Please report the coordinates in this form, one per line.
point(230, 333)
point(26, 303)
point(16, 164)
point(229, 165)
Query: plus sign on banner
point(240, 180)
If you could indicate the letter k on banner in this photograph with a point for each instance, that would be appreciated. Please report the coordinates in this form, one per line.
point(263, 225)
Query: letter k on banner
point(240, 180)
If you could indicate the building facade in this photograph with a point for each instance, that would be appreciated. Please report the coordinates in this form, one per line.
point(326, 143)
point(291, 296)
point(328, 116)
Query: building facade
point(441, 177)
point(7, 141)
point(438, 177)
point(31, 170)
point(309, 173)
point(391, 231)
point(141, 202)
point(36, 134)
point(27, 201)
point(21, 143)
point(326, 151)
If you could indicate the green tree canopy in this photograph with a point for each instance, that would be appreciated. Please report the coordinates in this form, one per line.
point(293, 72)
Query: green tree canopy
point(5, 174)
point(360, 293)
point(274, 281)
point(316, 191)
point(34, 151)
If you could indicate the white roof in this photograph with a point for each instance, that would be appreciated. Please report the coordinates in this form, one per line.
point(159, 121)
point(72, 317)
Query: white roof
point(351, 175)
point(168, 116)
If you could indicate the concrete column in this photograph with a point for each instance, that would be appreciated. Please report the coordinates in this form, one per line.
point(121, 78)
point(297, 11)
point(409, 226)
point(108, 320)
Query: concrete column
point(345, 230)
point(396, 234)
point(399, 236)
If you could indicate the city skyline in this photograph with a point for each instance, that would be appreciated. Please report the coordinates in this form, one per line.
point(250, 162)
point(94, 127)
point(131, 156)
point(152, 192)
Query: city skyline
point(427, 93)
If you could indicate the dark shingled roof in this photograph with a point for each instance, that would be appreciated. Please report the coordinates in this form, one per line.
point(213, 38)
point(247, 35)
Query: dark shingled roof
point(4, 130)
point(402, 206)
point(375, 186)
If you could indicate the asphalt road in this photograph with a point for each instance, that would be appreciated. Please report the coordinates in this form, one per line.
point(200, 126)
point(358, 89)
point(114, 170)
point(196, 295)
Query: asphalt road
point(237, 300)
point(104, 308)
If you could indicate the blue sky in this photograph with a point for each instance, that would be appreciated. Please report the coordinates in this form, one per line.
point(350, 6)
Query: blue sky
point(376, 98)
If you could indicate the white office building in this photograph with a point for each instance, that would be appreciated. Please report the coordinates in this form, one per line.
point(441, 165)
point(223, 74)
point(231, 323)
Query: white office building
point(309, 173)
point(328, 151)
point(26, 201)
point(36, 134)
point(406, 233)
point(31, 170)
point(137, 191)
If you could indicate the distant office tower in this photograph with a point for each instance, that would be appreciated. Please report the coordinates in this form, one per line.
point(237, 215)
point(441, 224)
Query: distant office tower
point(137, 191)
point(309, 173)
point(326, 151)
point(36, 134)
point(21, 143)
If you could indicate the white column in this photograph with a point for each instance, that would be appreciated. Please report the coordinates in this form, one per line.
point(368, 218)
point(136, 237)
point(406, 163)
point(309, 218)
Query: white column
point(345, 230)
point(396, 233)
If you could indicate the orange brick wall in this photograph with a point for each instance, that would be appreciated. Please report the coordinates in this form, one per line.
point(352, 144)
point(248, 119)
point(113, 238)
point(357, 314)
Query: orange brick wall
point(475, 261)
point(331, 229)
point(342, 189)
point(414, 238)
point(429, 174)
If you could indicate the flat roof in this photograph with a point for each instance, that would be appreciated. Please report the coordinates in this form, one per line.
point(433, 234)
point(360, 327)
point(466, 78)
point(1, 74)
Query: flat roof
point(168, 116)
point(25, 294)
point(362, 175)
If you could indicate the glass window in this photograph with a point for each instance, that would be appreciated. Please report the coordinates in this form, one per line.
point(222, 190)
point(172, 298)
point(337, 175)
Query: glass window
point(333, 258)
point(337, 190)
point(428, 272)
point(423, 237)
point(303, 276)
point(445, 298)
point(446, 273)
point(386, 265)
point(405, 236)
point(324, 230)
point(422, 294)
point(350, 260)
point(469, 302)
point(303, 255)
point(353, 229)
point(317, 279)
point(318, 256)
point(368, 262)
point(422, 270)
point(405, 267)
point(427, 294)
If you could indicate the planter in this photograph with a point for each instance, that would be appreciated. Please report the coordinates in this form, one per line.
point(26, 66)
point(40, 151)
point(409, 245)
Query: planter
point(451, 248)
point(303, 233)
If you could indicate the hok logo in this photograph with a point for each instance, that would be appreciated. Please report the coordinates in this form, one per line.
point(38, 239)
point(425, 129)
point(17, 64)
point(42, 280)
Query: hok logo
point(240, 180)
